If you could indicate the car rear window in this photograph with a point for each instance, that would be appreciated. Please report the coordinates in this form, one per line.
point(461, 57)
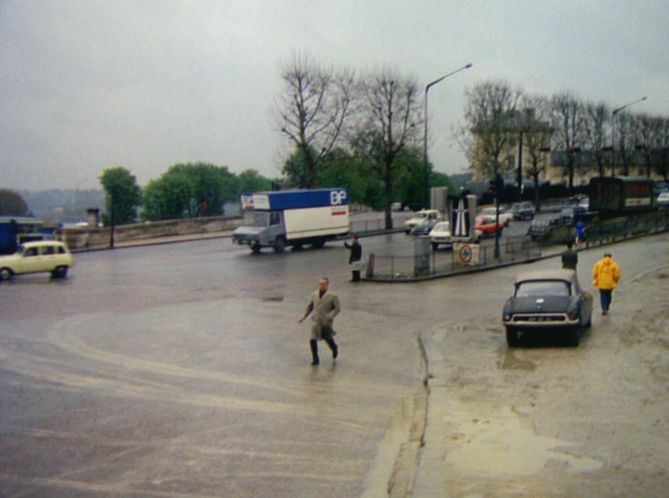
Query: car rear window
point(543, 288)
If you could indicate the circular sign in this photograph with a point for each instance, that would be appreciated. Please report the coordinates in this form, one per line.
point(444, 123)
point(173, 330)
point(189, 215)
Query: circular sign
point(465, 254)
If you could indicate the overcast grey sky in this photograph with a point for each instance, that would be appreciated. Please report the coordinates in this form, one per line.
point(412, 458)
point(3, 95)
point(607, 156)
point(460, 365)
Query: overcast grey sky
point(85, 85)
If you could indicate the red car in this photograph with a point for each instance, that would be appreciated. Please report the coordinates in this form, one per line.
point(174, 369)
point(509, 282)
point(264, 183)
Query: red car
point(486, 226)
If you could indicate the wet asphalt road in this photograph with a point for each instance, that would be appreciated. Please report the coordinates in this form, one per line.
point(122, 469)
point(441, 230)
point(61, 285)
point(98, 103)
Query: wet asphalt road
point(180, 371)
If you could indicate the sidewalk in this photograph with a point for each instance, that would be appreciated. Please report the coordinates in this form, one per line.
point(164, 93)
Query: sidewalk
point(169, 239)
point(448, 466)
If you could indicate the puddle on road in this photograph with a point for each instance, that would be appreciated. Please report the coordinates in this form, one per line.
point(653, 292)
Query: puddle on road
point(511, 362)
point(504, 446)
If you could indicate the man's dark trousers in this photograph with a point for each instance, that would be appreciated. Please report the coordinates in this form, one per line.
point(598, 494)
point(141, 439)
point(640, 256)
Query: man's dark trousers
point(605, 298)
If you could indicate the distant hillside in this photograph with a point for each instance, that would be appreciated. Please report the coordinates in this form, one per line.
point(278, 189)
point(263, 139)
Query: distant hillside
point(63, 205)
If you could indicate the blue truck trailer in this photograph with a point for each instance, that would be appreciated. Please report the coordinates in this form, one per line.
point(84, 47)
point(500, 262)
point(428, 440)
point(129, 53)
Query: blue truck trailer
point(292, 218)
point(15, 230)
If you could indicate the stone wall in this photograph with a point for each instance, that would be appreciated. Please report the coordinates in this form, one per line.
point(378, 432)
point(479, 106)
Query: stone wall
point(82, 238)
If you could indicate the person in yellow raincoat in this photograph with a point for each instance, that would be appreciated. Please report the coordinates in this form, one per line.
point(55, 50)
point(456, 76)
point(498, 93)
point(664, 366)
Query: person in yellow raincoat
point(605, 276)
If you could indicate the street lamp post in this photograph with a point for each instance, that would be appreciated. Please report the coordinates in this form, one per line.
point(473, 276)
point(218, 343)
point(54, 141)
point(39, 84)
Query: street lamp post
point(613, 131)
point(426, 179)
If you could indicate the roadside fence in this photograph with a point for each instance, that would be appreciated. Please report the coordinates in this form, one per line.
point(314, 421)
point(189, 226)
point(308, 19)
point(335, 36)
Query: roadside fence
point(462, 258)
point(379, 224)
point(628, 227)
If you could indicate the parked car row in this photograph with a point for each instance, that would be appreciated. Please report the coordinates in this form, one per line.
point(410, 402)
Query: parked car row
point(523, 211)
point(663, 200)
point(491, 212)
point(420, 217)
point(486, 226)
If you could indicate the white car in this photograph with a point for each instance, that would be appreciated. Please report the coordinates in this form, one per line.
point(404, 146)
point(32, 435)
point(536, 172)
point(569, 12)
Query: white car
point(38, 256)
point(441, 234)
point(504, 216)
point(421, 217)
point(663, 200)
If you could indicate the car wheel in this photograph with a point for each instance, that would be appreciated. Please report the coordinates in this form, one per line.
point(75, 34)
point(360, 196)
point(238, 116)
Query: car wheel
point(574, 336)
point(6, 274)
point(59, 272)
point(512, 337)
point(279, 244)
point(255, 248)
point(435, 246)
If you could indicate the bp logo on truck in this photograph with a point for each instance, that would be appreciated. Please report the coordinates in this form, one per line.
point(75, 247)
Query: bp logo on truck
point(337, 197)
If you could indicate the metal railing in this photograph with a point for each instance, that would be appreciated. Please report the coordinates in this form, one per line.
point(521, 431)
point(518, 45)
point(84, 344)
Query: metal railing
point(443, 262)
point(378, 225)
point(628, 227)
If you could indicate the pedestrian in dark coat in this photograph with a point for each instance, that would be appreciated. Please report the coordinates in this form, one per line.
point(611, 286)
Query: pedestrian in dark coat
point(569, 258)
point(323, 308)
point(354, 258)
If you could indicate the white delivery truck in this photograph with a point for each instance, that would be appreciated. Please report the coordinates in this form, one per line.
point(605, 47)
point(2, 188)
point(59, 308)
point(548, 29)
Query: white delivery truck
point(292, 217)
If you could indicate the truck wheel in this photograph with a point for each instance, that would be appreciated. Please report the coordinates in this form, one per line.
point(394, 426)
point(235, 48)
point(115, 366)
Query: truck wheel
point(318, 244)
point(5, 274)
point(59, 272)
point(435, 246)
point(512, 337)
point(279, 244)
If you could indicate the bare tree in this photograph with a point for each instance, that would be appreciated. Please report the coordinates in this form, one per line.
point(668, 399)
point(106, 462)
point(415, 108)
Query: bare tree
point(489, 113)
point(314, 110)
point(626, 131)
point(568, 121)
point(537, 132)
point(596, 139)
point(391, 119)
point(652, 136)
point(662, 148)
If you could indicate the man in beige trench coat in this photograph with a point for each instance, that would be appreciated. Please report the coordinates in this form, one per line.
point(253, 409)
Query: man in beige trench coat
point(323, 307)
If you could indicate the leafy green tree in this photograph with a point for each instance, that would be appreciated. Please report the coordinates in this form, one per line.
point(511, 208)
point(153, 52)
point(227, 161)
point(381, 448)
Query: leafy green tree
point(295, 168)
point(409, 177)
point(339, 168)
point(122, 195)
point(441, 180)
point(169, 197)
point(188, 190)
point(12, 204)
point(212, 186)
point(251, 181)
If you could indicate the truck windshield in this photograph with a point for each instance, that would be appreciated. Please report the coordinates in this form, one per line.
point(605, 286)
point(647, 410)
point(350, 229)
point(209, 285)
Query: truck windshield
point(256, 218)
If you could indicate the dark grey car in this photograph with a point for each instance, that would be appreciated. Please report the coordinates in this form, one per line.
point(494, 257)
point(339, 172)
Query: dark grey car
point(545, 300)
